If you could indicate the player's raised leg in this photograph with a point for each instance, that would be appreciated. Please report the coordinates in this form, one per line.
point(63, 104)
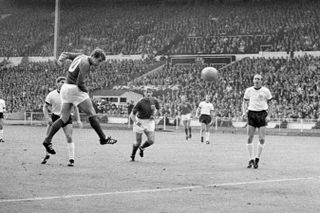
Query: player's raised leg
point(150, 140)
point(136, 145)
point(87, 107)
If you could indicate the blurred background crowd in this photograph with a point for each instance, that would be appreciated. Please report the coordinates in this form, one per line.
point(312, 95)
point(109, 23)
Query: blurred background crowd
point(155, 27)
point(166, 28)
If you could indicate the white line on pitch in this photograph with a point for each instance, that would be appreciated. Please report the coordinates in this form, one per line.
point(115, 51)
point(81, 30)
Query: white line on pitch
point(156, 190)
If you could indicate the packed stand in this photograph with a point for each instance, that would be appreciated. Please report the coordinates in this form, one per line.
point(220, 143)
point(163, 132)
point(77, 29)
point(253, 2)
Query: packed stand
point(25, 86)
point(294, 84)
point(160, 28)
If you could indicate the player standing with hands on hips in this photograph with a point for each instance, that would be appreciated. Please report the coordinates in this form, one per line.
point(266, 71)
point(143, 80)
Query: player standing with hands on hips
point(142, 116)
point(255, 106)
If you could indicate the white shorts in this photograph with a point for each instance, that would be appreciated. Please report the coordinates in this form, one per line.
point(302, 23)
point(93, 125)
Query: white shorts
point(70, 93)
point(146, 124)
point(186, 117)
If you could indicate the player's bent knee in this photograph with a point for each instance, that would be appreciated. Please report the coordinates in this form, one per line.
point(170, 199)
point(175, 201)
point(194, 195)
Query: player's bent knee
point(250, 140)
point(137, 143)
point(92, 115)
point(150, 142)
point(64, 119)
point(69, 138)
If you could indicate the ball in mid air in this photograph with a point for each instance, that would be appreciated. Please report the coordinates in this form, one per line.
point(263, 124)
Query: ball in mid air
point(209, 74)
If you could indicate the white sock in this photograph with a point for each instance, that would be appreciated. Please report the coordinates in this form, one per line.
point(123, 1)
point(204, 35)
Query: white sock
point(250, 150)
point(1, 134)
point(260, 148)
point(207, 136)
point(70, 147)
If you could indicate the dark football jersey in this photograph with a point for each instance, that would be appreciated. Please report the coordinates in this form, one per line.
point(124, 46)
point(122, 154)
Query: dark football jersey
point(78, 69)
point(145, 108)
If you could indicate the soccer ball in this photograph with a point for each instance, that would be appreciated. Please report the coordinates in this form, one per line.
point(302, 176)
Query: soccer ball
point(209, 74)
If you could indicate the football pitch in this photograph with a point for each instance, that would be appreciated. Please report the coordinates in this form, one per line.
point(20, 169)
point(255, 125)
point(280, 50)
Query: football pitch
point(173, 176)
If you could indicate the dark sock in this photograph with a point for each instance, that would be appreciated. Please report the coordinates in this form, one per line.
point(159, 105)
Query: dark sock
point(134, 150)
point(186, 130)
point(145, 145)
point(54, 129)
point(189, 130)
point(94, 122)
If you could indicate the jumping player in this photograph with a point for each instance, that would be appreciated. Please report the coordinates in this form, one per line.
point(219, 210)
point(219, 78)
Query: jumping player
point(142, 116)
point(255, 107)
point(75, 93)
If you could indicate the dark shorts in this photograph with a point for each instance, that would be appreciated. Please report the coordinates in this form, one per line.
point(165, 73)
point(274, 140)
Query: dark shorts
point(1, 115)
point(257, 118)
point(55, 117)
point(206, 119)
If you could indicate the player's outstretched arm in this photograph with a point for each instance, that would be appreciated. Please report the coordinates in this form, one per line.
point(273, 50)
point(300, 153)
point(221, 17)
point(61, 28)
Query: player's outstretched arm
point(244, 108)
point(198, 111)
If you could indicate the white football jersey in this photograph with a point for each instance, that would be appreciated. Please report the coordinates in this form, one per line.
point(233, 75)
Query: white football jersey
point(205, 108)
point(2, 105)
point(258, 98)
point(54, 100)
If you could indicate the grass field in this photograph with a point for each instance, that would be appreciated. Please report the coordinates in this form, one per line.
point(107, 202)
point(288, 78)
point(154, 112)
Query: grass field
point(174, 175)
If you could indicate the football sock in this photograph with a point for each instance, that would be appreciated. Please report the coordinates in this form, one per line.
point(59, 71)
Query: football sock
point(94, 122)
point(250, 150)
point(55, 128)
point(70, 147)
point(134, 149)
point(186, 131)
point(145, 145)
point(189, 130)
point(260, 148)
point(207, 136)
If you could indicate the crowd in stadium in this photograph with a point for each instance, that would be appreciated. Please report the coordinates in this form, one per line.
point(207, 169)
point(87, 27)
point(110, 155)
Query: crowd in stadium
point(25, 86)
point(241, 27)
point(154, 29)
point(294, 83)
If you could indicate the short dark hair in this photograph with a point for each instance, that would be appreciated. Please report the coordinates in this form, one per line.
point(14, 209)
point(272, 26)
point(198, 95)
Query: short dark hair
point(98, 53)
point(60, 78)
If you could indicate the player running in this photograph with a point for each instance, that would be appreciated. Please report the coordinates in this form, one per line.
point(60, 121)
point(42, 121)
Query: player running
point(142, 116)
point(205, 110)
point(184, 110)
